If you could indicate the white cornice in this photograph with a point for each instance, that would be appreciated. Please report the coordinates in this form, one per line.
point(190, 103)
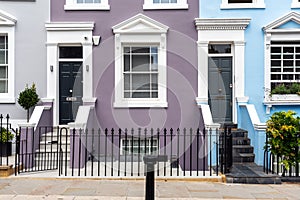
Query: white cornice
point(292, 16)
point(7, 19)
point(222, 24)
point(69, 26)
point(139, 24)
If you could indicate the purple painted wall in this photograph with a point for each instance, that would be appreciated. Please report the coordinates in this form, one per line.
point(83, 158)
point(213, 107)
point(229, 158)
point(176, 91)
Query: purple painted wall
point(181, 59)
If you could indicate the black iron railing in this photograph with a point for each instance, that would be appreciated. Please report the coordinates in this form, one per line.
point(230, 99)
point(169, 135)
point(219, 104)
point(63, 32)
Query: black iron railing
point(120, 152)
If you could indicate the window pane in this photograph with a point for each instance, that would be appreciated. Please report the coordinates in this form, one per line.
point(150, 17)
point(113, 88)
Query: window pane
point(2, 42)
point(140, 82)
point(275, 77)
point(126, 63)
point(141, 95)
point(140, 62)
point(154, 81)
point(219, 48)
point(3, 72)
point(140, 50)
point(2, 57)
point(288, 49)
point(70, 52)
point(276, 63)
point(276, 50)
point(127, 81)
point(3, 86)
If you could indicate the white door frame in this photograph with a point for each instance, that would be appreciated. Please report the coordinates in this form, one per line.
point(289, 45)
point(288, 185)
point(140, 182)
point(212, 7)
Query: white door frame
point(68, 34)
point(222, 31)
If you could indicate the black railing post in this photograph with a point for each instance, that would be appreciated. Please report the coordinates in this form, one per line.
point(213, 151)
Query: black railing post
point(1, 118)
point(7, 146)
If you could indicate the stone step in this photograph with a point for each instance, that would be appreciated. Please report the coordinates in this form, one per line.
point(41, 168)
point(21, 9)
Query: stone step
point(250, 173)
point(239, 134)
point(244, 158)
point(237, 149)
point(240, 141)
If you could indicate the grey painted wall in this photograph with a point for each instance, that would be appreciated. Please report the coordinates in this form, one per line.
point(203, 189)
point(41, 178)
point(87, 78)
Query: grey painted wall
point(182, 64)
point(30, 49)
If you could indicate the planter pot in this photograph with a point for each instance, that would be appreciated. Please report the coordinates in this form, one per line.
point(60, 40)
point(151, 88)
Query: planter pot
point(285, 97)
point(5, 149)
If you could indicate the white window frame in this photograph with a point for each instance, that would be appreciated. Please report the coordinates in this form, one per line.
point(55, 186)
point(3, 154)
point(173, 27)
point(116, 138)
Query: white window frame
point(140, 30)
point(273, 33)
point(149, 5)
point(295, 4)
point(7, 27)
point(73, 5)
point(131, 72)
point(254, 4)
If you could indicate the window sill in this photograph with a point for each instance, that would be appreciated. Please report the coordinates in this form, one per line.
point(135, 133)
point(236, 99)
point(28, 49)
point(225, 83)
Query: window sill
point(141, 104)
point(7, 100)
point(165, 6)
point(86, 7)
point(243, 6)
point(295, 5)
point(283, 99)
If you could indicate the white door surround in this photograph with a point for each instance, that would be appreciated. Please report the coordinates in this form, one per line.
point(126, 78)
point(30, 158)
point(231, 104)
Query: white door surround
point(68, 34)
point(222, 31)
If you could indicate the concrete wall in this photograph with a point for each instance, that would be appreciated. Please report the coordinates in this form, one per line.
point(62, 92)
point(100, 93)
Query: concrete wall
point(30, 49)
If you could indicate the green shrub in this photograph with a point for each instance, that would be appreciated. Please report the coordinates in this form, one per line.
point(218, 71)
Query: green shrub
point(283, 139)
point(5, 136)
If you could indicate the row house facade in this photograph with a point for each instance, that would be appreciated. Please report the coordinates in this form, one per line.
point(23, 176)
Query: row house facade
point(250, 47)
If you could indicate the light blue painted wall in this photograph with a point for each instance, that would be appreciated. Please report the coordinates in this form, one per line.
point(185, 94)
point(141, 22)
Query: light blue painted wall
point(254, 60)
point(254, 50)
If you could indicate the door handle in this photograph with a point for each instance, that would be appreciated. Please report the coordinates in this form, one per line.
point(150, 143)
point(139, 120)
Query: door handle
point(70, 91)
point(230, 85)
point(220, 90)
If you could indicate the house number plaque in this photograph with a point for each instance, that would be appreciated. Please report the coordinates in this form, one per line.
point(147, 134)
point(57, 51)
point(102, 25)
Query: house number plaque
point(71, 99)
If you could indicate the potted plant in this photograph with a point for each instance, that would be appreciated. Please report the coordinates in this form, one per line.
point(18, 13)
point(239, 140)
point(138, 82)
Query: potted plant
point(6, 137)
point(28, 98)
point(283, 137)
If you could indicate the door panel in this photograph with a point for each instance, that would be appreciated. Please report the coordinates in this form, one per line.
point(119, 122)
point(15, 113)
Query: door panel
point(220, 88)
point(70, 90)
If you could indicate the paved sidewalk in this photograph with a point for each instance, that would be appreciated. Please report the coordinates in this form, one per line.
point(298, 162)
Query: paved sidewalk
point(76, 189)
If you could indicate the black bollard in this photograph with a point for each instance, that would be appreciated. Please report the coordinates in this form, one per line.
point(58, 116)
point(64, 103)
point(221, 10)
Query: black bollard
point(150, 161)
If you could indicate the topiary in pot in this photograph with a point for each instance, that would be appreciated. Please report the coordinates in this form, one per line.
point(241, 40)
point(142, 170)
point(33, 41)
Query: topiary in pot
point(28, 98)
point(5, 142)
point(283, 137)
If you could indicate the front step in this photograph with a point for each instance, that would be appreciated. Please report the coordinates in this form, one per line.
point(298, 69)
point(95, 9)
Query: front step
point(251, 173)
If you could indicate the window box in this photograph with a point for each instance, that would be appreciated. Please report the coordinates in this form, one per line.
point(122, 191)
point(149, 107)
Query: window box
point(285, 97)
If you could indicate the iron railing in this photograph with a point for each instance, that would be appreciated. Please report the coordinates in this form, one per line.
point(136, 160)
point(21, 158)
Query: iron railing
point(120, 152)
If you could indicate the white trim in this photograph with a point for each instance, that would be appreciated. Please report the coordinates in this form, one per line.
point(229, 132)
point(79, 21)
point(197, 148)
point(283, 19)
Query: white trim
point(256, 123)
point(295, 4)
point(220, 31)
point(272, 33)
point(254, 4)
point(73, 5)
point(149, 5)
point(68, 34)
point(141, 30)
point(7, 27)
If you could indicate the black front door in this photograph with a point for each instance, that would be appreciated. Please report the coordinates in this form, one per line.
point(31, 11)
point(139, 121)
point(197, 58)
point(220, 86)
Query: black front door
point(70, 90)
point(220, 88)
